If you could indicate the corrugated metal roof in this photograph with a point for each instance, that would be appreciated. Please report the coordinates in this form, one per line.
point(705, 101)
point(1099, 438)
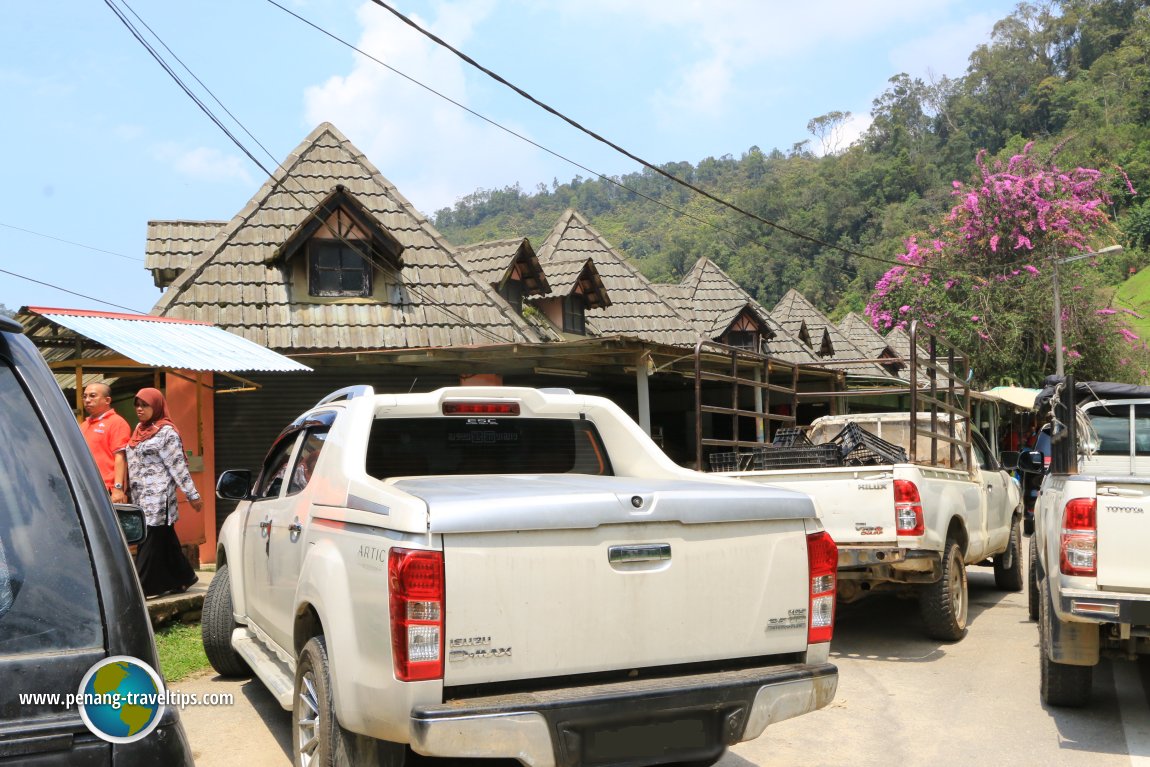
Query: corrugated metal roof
point(170, 343)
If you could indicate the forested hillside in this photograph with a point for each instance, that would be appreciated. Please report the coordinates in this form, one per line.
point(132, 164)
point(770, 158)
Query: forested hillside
point(1070, 76)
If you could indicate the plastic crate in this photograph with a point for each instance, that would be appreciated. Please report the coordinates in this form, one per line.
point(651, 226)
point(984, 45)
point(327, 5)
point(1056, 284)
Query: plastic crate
point(798, 457)
point(791, 436)
point(858, 447)
point(723, 461)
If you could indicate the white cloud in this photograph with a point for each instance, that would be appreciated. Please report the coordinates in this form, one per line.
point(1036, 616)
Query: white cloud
point(723, 38)
point(205, 164)
point(945, 51)
point(433, 151)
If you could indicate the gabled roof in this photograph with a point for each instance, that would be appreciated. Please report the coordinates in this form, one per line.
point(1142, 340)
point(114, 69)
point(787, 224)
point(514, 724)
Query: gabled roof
point(860, 332)
point(636, 310)
point(795, 312)
point(171, 246)
point(494, 262)
point(713, 301)
point(574, 276)
point(434, 300)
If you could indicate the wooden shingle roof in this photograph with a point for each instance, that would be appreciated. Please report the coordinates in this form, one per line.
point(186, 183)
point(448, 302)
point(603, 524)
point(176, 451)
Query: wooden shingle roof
point(433, 300)
point(493, 262)
point(796, 313)
point(636, 310)
point(712, 300)
point(171, 246)
point(860, 332)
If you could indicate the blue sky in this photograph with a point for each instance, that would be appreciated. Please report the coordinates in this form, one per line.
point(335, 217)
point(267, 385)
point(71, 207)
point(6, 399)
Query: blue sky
point(100, 141)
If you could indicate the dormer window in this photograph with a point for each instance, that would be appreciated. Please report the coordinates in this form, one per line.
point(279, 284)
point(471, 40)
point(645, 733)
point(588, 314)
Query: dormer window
point(512, 292)
point(743, 339)
point(804, 334)
point(340, 252)
point(574, 314)
point(746, 332)
point(338, 268)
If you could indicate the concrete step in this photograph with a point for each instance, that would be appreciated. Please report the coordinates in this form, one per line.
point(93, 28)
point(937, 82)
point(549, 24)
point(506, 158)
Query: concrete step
point(185, 607)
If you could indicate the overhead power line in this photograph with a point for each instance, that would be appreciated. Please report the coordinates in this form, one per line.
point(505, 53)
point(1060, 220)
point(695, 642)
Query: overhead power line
point(367, 257)
point(71, 292)
point(69, 242)
point(646, 164)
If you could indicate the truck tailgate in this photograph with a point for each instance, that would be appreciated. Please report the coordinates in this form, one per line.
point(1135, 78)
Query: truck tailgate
point(1123, 518)
point(856, 505)
point(600, 574)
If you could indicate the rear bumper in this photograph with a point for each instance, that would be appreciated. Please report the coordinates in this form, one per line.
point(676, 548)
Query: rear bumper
point(644, 721)
point(1084, 605)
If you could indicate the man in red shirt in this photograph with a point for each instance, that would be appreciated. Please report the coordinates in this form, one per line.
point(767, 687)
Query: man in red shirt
point(107, 433)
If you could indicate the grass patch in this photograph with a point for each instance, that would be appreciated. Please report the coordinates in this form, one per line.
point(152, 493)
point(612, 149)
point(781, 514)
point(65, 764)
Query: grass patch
point(181, 651)
point(1134, 294)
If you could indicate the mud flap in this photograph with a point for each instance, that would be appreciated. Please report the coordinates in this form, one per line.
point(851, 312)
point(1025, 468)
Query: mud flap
point(1072, 643)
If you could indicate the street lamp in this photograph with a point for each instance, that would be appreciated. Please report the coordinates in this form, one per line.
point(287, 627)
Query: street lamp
point(1058, 369)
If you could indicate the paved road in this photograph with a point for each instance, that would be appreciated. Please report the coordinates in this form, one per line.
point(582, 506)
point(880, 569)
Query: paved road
point(902, 700)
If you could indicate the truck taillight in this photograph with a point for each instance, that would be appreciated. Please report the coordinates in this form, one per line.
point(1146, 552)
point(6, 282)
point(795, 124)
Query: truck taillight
point(822, 563)
point(415, 582)
point(1079, 540)
point(908, 508)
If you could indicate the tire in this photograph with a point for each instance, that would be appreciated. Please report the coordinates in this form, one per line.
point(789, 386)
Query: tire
point(217, 624)
point(945, 603)
point(1032, 586)
point(1060, 684)
point(1008, 564)
point(318, 739)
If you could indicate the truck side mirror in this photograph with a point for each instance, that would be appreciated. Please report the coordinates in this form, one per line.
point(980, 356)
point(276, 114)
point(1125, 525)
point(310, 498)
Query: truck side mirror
point(1031, 461)
point(234, 485)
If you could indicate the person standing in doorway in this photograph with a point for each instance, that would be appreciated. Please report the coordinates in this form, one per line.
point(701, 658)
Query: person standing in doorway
point(107, 433)
point(156, 467)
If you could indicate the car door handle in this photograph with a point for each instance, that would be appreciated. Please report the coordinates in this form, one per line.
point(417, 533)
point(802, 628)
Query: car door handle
point(295, 527)
point(266, 526)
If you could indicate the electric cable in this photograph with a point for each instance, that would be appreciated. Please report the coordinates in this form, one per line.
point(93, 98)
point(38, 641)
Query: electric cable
point(368, 258)
point(72, 292)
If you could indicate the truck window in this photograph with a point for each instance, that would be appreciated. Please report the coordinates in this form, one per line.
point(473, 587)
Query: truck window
point(1112, 425)
point(446, 446)
point(48, 597)
point(275, 468)
point(308, 454)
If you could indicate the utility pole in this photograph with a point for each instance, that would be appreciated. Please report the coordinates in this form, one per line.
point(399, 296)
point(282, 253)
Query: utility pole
point(1058, 366)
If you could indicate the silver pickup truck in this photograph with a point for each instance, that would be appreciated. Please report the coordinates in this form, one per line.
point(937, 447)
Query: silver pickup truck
point(517, 573)
point(1089, 576)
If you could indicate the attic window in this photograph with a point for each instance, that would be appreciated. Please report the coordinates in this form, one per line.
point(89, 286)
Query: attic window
point(804, 334)
point(826, 348)
point(744, 333)
point(512, 291)
point(574, 314)
point(337, 268)
point(743, 339)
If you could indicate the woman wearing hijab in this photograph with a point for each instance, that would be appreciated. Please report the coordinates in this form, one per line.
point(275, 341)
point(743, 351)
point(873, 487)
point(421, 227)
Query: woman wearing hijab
point(156, 466)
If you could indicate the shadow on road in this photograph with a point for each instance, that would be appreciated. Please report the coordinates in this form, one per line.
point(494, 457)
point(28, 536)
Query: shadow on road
point(888, 627)
point(277, 720)
point(1097, 728)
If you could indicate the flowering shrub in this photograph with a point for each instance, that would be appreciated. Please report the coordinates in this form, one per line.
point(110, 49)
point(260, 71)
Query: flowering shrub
point(983, 279)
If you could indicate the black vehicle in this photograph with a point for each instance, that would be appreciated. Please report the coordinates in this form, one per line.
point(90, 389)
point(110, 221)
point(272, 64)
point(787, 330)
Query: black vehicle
point(69, 595)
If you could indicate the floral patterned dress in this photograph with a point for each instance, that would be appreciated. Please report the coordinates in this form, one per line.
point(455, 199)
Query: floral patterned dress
point(156, 467)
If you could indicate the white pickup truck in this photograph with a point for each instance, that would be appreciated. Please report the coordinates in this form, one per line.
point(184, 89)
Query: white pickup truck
point(1089, 577)
point(910, 526)
point(517, 573)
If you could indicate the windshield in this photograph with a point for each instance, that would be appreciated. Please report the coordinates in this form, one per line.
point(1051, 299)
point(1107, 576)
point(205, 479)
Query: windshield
point(401, 447)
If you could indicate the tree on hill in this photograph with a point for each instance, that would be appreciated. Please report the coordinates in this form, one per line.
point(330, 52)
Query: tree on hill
point(983, 277)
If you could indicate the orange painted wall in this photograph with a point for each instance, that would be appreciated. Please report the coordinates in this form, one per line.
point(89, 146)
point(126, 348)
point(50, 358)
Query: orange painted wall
point(196, 527)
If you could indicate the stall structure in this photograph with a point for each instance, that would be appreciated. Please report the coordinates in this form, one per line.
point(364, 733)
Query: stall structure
point(191, 362)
